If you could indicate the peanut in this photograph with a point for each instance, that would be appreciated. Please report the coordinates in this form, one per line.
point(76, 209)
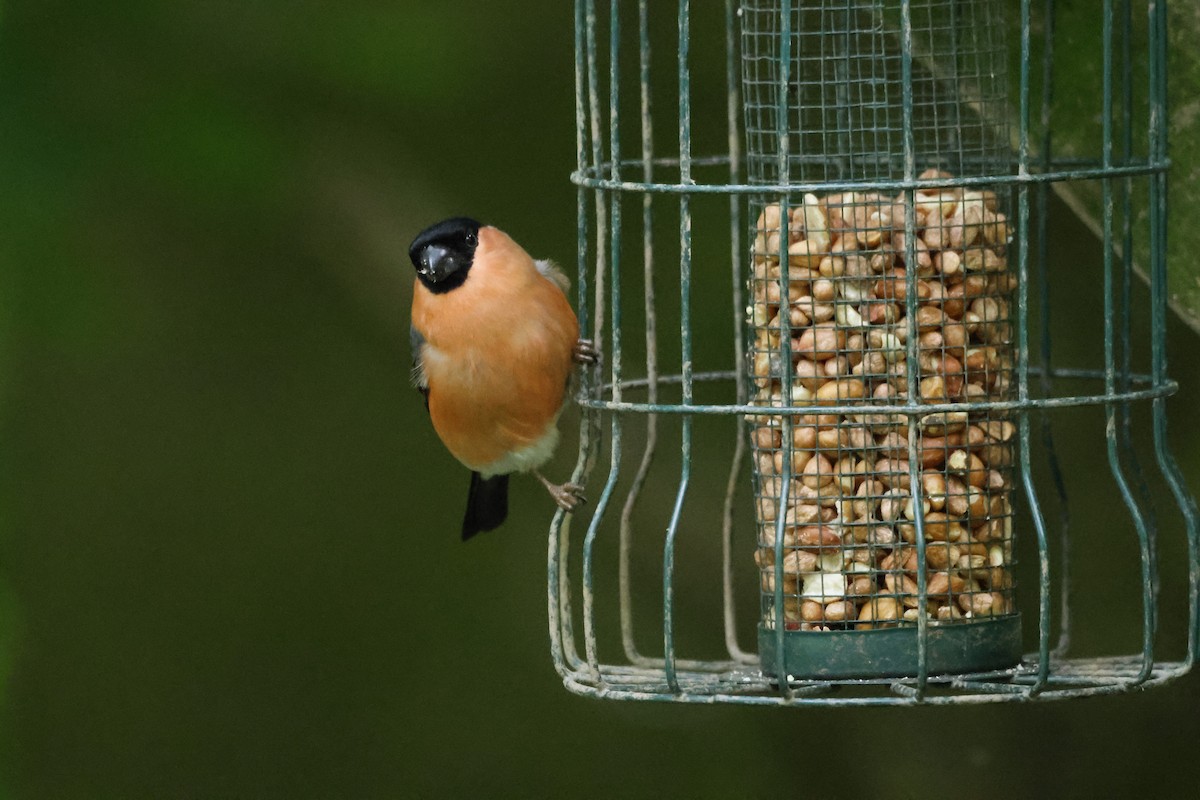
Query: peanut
point(821, 342)
point(877, 612)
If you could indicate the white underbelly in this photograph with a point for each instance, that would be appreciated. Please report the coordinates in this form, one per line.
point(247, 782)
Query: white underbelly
point(527, 458)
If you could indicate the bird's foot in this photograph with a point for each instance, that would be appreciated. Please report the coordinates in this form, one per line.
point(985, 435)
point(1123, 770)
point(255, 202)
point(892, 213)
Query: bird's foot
point(585, 352)
point(568, 496)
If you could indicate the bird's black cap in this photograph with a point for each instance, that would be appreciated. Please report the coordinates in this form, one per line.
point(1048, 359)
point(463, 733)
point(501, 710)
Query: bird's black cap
point(443, 253)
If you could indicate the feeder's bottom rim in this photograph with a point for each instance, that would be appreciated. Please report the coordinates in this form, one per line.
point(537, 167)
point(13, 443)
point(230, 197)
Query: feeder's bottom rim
point(1070, 678)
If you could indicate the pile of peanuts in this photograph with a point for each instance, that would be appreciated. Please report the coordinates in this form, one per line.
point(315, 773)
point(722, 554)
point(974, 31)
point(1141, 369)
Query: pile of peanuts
point(850, 559)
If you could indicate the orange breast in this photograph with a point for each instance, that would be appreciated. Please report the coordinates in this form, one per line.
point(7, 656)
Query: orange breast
point(499, 353)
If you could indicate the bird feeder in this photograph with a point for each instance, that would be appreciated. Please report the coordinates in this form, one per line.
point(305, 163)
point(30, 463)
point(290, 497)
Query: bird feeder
point(873, 217)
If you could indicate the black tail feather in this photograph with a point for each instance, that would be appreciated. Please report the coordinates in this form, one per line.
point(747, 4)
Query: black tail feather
point(487, 504)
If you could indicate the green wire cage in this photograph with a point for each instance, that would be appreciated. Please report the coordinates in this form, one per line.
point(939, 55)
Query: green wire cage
point(848, 200)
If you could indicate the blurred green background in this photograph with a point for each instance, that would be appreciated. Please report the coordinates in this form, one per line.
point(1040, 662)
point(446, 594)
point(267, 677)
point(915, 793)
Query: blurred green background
point(231, 564)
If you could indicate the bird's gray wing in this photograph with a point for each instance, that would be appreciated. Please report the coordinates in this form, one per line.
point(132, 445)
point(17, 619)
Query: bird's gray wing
point(417, 342)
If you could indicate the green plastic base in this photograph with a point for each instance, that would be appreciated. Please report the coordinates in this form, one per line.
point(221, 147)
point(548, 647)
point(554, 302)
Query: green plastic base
point(892, 652)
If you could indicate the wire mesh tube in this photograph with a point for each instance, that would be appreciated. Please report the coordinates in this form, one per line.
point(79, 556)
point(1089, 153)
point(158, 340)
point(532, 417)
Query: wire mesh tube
point(870, 522)
point(898, 517)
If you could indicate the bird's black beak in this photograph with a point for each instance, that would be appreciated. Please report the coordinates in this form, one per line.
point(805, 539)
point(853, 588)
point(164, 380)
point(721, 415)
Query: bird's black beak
point(436, 262)
point(430, 260)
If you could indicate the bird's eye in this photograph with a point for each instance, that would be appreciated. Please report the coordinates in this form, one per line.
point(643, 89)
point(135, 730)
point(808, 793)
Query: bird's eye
point(472, 239)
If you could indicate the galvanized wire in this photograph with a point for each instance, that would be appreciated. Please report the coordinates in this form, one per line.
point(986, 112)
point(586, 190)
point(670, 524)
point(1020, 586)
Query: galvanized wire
point(841, 96)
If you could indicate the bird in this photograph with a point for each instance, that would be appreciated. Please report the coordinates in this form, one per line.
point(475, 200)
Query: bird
point(495, 344)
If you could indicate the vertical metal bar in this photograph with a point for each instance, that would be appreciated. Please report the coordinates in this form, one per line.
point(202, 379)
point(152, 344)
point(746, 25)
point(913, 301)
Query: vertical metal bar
point(600, 200)
point(783, 143)
point(614, 152)
point(685, 343)
point(732, 110)
point(558, 584)
point(955, 129)
point(841, 87)
point(1110, 369)
point(639, 478)
point(1158, 302)
point(1044, 307)
point(1035, 510)
point(1141, 491)
point(912, 343)
point(581, 163)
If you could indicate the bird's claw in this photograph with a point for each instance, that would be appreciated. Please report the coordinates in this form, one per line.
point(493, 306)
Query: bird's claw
point(568, 496)
point(585, 352)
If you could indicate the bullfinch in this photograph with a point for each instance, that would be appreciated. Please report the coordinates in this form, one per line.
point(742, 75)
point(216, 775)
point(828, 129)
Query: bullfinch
point(495, 342)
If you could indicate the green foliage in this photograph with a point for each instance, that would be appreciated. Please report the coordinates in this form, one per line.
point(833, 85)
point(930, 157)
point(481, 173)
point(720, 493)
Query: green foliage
point(1077, 125)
